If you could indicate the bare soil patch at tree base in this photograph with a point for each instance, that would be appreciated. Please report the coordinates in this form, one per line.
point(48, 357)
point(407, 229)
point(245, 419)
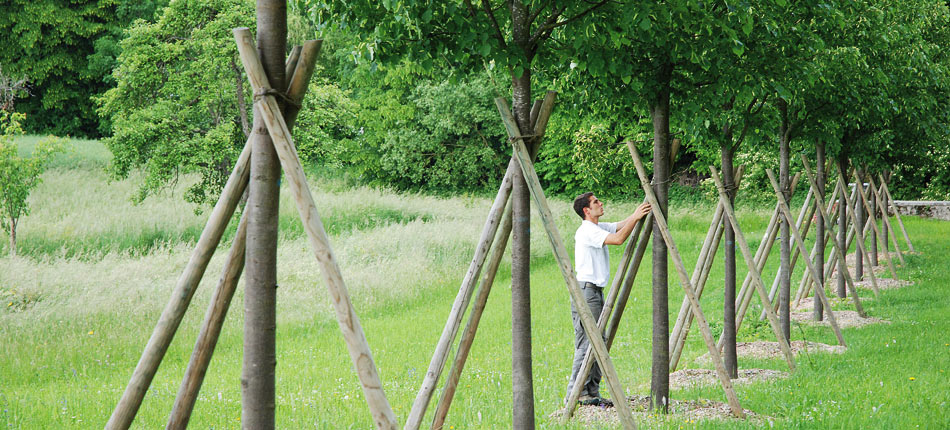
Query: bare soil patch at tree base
point(767, 350)
point(686, 378)
point(689, 411)
point(882, 283)
point(845, 319)
point(808, 303)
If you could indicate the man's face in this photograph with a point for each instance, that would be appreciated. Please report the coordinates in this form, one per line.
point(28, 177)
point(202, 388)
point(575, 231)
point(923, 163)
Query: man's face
point(596, 207)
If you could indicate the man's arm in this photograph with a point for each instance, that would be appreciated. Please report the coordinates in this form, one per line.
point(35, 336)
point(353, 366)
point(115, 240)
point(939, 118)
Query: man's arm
point(625, 227)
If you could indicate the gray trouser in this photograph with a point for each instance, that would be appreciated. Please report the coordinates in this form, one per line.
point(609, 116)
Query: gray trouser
point(594, 296)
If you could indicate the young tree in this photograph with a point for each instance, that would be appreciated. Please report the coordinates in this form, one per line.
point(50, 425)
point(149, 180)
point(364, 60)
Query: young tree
point(19, 175)
point(512, 35)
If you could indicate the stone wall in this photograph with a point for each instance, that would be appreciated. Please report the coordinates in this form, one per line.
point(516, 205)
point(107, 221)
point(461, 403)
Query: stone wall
point(929, 209)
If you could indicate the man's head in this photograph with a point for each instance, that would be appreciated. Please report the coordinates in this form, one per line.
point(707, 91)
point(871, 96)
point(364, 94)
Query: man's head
point(586, 205)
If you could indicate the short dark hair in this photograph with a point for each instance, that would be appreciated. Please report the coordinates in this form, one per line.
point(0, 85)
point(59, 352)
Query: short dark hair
point(582, 201)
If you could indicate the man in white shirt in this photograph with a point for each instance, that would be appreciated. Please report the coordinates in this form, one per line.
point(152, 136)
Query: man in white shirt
point(592, 266)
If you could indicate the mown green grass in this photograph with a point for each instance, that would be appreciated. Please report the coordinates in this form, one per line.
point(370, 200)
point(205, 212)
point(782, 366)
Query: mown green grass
point(80, 318)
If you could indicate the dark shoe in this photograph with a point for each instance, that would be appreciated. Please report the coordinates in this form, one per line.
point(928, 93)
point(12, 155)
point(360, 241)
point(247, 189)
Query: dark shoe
point(605, 402)
point(586, 400)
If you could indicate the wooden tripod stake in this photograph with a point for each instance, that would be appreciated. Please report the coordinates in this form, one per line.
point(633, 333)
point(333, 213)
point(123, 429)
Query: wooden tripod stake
point(349, 324)
point(687, 288)
point(820, 291)
point(882, 208)
point(897, 213)
point(756, 277)
point(540, 114)
point(837, 248)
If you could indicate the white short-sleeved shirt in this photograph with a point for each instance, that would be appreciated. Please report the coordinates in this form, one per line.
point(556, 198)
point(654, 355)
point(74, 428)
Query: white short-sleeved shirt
point(591, 258)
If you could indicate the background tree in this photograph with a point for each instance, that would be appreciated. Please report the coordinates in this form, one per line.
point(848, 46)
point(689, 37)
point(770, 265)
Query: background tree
point(68, 50)
point(19, 175)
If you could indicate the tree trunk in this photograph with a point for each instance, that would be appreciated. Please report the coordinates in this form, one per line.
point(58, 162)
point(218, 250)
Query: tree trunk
point(873, 217)
point(260, 298)
point(730, 358)
point(660, 115)
point(522, 382)
point(862, 219)
point(842, 227)
point(784, 287)
point(820, 231)
point(884, 232)
point(13, 237)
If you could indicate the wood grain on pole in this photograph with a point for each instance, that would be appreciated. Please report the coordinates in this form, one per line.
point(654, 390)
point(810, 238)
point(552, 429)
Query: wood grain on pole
point(360, 353)
point(756, 276)
point(181, 296)
point(897, 213)
point(837, 249)
point(887, 222)
point(564, 263)
point(209, 332)
point(602, 321)
point(820, 290)
point(867, 207)
point(471, 327)
point(660, 221)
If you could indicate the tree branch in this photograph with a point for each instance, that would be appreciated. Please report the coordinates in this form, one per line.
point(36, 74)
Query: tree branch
point(494, 22)
point(552, 25)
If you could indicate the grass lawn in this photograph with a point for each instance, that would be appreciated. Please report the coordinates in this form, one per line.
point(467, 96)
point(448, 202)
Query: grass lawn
point(95, 271)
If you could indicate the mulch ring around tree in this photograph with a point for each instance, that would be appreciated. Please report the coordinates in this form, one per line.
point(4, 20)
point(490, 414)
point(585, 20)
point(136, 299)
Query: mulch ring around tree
point(686, 378)
point(681, 411)
point(767, 350)
point(845, 319)
point(808, 303)
point(882, 283)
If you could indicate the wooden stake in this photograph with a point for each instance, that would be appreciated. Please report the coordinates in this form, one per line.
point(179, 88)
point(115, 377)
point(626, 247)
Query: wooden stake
point(360, 354)
point(864, 201)
point(820, 291)
point(564, 262)
point(660, 220)
point(836, 248)
point(803, 224)
point(471, 327)
point(614, 323)
point(602, 320)
point(210, 330)
point(700, 274)
point(887, 222)
point(181, 296)
point(897, 213)
point(756, 277)
point(819, 242)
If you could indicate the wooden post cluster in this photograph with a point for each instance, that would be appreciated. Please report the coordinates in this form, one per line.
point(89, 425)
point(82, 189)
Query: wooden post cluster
point(301, 63)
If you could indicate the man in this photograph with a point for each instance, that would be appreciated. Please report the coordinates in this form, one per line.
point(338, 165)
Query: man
point(592, 266)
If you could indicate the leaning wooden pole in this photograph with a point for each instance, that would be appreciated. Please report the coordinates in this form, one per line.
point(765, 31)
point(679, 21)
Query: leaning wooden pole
point(181, 296)
point(210, 330)
point(867, 207)
point(360, 354)
point(838, 250)
point(564, 263)
point(602, 321)
point(802, 223)
point(704, 262)
point(631, 275)
point(756, 277)
point(214, 318)
point(660, 220)
point(820, 290)
point(887, 222)
point(471, 327)
point(897, 213)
